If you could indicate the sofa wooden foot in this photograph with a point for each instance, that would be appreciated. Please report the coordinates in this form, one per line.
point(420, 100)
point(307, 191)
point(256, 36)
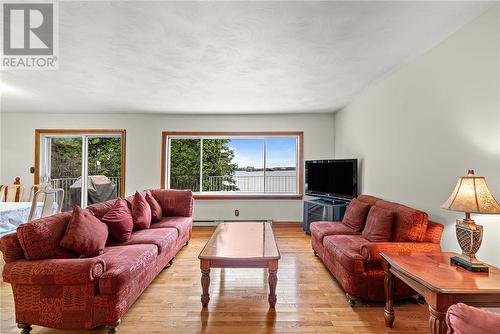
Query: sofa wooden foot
point(187, 242)
point(113, 328)
point(315, 253)
point(25, 328)
point(171, 262)
point(351, 300)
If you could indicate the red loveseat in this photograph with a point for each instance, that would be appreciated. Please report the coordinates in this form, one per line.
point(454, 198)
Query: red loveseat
point(356, 263)
point(56, 288)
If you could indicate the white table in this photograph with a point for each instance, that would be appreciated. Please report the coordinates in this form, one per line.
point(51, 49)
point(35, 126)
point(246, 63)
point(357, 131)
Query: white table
point(13, 214)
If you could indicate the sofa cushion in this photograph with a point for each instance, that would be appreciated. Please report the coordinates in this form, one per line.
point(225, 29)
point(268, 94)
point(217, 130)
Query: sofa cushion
point(119, 221)
point(163, 238)
point(433, 232)
point(346, 250)
point(85, 233)
point(156, 213)
point(378, 225)
point(174, 202)
point(100, 209)
point(124, 264)
point(40, 238)
point(141, 211)
point(355, 215)
point(130, 199)
point(368, 199)
point(321, 229)
point(182, 224)
point(409, 224)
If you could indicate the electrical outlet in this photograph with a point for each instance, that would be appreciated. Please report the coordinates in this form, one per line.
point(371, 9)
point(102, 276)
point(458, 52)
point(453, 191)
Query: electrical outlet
point(236, 212)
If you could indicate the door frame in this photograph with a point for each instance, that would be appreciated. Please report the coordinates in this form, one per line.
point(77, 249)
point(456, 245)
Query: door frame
point(121, 132)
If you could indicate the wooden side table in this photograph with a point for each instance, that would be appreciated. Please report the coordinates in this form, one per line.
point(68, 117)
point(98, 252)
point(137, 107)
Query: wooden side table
point(442, 284)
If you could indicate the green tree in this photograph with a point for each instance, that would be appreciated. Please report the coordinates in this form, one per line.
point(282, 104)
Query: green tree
point(104, 157)
point(185, 163)
point(218, 162)
point(66, 158)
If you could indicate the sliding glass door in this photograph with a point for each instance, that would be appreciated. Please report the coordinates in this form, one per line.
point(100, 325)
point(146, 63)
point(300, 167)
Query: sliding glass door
point(88, 166)
point(63, 166)
point(103, 168)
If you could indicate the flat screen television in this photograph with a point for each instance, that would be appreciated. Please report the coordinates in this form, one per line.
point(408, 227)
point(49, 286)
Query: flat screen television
point(332, 178)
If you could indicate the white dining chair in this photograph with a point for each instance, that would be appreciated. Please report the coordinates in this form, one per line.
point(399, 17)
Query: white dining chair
point(36, 187)
point(12, 192)
point(49, 196)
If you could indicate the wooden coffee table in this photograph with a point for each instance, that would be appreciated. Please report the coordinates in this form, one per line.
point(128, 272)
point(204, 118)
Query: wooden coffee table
point(441, 283)
point(240, 245)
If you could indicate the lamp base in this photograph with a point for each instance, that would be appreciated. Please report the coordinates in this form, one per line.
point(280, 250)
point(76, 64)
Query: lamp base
point(474, 267)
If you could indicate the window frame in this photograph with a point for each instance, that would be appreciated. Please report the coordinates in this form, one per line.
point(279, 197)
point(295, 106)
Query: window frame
point(165, 161)
point(41, 133)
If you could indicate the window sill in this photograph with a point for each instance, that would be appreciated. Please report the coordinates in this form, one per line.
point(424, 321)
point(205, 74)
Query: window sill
point(215, 196)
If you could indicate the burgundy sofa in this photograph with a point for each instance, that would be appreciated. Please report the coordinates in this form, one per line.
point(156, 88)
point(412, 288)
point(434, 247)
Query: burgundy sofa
point(356, 263)
point(463, 319)
point(65, 291)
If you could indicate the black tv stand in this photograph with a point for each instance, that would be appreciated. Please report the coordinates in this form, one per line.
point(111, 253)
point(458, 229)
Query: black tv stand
point(330, 201)
point(327, 209)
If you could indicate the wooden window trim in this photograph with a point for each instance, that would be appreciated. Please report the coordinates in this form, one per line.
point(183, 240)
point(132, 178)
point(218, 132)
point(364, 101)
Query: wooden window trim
point(121, 132)
point(239, 196)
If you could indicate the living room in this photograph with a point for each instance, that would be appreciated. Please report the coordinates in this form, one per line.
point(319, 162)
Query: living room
point(411, 90)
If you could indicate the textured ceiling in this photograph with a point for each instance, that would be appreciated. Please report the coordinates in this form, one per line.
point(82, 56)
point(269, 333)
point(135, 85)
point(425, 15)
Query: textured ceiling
point(228, 57)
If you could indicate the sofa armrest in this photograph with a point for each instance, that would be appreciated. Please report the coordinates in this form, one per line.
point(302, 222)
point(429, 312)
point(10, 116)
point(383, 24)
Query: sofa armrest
point(11, 248)
point(461, 318)
point(371, 251)
point(54, 271)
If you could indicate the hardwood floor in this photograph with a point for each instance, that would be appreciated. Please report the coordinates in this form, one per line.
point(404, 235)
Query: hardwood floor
point(309, 299)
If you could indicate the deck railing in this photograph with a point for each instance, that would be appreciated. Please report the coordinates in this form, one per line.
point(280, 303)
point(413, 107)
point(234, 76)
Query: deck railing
point(242, 183)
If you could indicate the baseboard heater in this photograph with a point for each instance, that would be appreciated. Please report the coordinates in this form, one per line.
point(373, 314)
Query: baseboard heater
point(215, 222)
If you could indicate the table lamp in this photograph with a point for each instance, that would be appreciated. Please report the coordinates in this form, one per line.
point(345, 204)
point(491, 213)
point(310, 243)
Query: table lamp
point(471, 195)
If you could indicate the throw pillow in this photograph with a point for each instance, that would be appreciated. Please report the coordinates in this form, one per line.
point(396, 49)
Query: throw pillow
point(378, 225)
point(119, 221)
point(156, 213)
point(85, 233)
point(141, 211)
point(355, 215)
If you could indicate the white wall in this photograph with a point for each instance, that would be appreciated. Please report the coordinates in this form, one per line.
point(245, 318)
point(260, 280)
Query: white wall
point(426, 124)
point(144, 150)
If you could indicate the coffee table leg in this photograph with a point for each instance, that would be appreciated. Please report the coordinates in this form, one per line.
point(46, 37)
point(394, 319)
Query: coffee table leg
point(273, 281)
point(389, 295)
point(205, 282)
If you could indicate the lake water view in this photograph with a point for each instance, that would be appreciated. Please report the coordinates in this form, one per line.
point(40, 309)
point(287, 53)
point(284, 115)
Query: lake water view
point(283, 181)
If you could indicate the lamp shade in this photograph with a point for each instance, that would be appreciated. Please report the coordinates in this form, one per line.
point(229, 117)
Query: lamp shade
point(472, 195)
